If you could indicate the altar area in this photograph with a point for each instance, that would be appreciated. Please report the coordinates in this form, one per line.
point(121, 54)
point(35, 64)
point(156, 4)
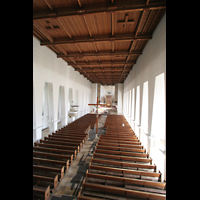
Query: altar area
point(108, 101)
point(107, 95)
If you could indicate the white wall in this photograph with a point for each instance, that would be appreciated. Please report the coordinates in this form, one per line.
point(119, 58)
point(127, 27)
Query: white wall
point(150, 67)
point(120, 98)
point(93, 96)
point(50, 69)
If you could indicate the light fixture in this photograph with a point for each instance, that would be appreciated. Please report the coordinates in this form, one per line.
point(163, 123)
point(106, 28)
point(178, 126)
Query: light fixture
point(123, 124)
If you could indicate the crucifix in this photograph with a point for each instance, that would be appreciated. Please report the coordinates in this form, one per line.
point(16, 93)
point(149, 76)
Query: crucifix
point(97, 104)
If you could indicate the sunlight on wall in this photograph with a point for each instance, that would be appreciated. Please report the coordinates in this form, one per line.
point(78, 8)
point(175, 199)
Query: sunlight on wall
point(144, 115)
point(129, 109)
point(126, 103)
point(157, 149)
point(158, 114)
point(133, 104)
point(137, 110)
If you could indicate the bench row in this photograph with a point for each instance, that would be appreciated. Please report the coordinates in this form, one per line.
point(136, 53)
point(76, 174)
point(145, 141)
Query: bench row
point(120, 167)
point(53, 156)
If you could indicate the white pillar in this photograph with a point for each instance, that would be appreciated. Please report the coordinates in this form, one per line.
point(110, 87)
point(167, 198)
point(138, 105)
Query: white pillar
point(53, 126)
point(37, 133)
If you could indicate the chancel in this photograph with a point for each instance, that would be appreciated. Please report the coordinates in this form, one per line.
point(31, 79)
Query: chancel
point(99, 64)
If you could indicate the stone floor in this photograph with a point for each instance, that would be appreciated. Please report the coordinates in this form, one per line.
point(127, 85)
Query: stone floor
point(70, 185)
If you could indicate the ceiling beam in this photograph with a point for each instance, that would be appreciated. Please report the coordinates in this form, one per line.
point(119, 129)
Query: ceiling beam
point(103, 53)
point(105, 38)
point(97, 63)
point(106, 74)
point(98, 8)
point(106, 69)
point(105, 79)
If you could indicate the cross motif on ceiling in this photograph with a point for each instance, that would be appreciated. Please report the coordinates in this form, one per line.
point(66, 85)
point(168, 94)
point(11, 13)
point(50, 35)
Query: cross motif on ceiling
point(51, 26)
point(126, 22)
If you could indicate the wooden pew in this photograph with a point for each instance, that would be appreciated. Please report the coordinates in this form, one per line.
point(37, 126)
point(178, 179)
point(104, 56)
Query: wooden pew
point(45, 192)
point(119, 137)
point(68, 148)
point(73, 132)
point(123, 164)
point(122, 158)
point(61, 145)
point(46, 179)
point(122, 153)
point(63, 138)
point(52, 162)
point(53, 150)
point(135, 142)
point(59, 171)
point(123, 171)
point(71, 142)
point(121, 148)
point(120, 191)
point(120, 133)
point(127, 180)
point(67, 136)
point(137, 145)
point(117, 140)
point(53, 156)
point(71, 135)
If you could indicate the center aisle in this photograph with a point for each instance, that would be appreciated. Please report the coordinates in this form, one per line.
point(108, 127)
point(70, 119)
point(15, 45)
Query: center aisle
point(70, 185)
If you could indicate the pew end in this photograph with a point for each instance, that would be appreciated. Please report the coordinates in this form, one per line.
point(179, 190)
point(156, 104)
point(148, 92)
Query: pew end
point(62, 173)
point(43, 191)
point(55, 182)
point(67, 166)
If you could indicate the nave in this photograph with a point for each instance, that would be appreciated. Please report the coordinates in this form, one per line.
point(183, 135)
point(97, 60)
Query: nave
point(119, 167)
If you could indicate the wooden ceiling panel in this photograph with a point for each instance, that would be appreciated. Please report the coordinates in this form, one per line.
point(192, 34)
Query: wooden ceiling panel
point(138, 45)
point(133, 58)
point(92, 58)
point(144, 17)
point(120, 58)
point(101, 39)
point(106, 58)
point(122, 45)
point(151, 16)
point(87, 2)
point(61, 4)
point(103, 46)
point(158, 16)
point(70, 47)
point(99, 24)
point(40, 5)
point(88, 47)
point(75, 26)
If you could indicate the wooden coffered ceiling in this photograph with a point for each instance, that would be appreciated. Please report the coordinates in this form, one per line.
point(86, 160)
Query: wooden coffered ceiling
point(101, 39)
